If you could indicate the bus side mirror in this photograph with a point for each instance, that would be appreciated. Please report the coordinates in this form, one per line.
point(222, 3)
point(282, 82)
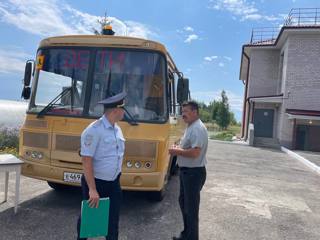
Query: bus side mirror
point(182, 90)
point(28, 71)
point(26, 92)
point(27, 74)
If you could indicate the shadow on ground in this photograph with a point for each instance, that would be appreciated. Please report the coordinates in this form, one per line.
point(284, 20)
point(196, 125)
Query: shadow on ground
point(53, 215)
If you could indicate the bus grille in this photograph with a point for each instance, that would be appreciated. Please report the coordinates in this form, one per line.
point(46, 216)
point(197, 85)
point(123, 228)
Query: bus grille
point(141, 149)
point(67, 143)
point(39, 140)
point(36, 123)
point(132, 148)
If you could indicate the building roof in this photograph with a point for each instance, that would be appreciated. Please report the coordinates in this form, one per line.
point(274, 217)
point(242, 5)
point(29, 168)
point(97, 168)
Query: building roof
point(299, 20)
point(267, 99)
point(303, 114)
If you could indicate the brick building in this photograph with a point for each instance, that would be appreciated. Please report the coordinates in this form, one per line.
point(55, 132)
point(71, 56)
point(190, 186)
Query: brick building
point(280, 69)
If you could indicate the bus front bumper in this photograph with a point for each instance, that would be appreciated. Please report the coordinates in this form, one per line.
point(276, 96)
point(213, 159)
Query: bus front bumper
point(153, 181)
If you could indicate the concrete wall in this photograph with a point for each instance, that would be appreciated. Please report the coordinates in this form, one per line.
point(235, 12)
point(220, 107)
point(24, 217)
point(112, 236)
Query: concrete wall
point(284, 53)
point(296, 76)
point(285, 129)
point(301, 80)
point(303, 72)
point(264, 72)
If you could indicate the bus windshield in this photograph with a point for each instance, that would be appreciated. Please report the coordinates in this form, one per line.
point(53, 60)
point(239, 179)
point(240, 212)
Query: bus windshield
point(88, 75)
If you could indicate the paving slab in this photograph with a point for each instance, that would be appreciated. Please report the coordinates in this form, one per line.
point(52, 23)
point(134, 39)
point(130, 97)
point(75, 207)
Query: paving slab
point(258, 193)
point(250, 193)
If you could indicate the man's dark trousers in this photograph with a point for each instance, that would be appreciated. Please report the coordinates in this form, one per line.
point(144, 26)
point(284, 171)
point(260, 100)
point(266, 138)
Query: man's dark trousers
point(191, 183)
point(109, 189)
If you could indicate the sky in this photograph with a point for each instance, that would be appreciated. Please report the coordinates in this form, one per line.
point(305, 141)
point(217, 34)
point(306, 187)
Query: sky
point(204, 37)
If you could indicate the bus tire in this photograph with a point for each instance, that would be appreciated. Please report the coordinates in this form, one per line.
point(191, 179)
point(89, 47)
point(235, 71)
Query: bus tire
point(156, 196)
point(57, 186)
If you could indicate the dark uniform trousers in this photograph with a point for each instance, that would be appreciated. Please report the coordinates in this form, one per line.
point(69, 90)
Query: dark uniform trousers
point(109, 189)
point(191, 183)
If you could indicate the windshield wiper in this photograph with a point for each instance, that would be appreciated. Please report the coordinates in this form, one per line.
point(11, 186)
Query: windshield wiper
point(131, 119)
point(50, 104)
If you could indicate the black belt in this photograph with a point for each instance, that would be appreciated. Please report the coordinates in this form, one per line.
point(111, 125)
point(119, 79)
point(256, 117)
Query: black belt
point(192, 168)
point(108, 181)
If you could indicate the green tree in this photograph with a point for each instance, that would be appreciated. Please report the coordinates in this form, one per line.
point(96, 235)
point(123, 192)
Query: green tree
point(214, 108)
point(217, 111)
point(204, 112)
point(202, 105)
point(223, 113)
point(233, 120)
point(9, 138)
point(204, 115)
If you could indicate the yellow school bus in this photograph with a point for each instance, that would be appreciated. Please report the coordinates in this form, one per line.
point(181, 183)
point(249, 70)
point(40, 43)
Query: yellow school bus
point(70, 75)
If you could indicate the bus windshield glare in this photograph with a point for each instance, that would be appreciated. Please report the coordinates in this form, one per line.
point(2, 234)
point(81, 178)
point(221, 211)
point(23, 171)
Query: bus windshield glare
point(89, 75)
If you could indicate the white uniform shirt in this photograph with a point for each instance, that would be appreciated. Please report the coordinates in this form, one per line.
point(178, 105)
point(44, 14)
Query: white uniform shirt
point(105, 144)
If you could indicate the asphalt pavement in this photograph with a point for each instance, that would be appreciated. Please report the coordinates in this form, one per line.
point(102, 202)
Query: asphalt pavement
point(250, 193)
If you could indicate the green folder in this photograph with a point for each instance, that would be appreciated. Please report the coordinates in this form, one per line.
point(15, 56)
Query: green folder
point(94, 221)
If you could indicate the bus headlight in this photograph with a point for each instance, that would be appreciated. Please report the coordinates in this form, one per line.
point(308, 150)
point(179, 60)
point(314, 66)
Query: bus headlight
point(35, 154)
point(129, 164)
point(148, 165)
point(40, 155)
point(137, 164)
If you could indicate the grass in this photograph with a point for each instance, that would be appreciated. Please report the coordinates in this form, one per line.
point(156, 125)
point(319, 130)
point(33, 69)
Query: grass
point(224, 135)
point(10, 150)
point(9, 141)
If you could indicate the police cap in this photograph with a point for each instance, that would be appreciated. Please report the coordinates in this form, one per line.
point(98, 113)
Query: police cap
point(116, 101)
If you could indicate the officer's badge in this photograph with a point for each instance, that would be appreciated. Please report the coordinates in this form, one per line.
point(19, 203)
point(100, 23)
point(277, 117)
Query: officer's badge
point(88, 140)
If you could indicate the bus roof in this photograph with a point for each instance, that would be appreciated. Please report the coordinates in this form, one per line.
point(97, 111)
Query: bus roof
point(102, 40)
point(107, 41)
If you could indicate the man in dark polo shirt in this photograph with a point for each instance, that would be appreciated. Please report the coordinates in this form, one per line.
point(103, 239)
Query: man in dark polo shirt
point(191, 156)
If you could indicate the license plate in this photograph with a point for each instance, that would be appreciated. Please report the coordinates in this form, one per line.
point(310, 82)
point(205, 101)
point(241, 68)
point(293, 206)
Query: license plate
point(72, 177)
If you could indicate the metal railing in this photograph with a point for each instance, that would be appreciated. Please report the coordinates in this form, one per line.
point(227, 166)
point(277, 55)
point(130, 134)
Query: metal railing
point(303, 17)
point(297, 17)
point(266, 35)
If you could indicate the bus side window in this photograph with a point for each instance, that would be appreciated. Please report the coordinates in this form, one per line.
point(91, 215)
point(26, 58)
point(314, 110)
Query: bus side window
point(171, 94)
point(175, 87)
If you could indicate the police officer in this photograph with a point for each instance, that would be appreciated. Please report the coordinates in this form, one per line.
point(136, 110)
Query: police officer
point(191, 156)
point(102, 150)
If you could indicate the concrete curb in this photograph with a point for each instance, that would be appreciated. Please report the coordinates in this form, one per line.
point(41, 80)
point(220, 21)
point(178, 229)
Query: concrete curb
point(303, 160)
point(230, 142)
